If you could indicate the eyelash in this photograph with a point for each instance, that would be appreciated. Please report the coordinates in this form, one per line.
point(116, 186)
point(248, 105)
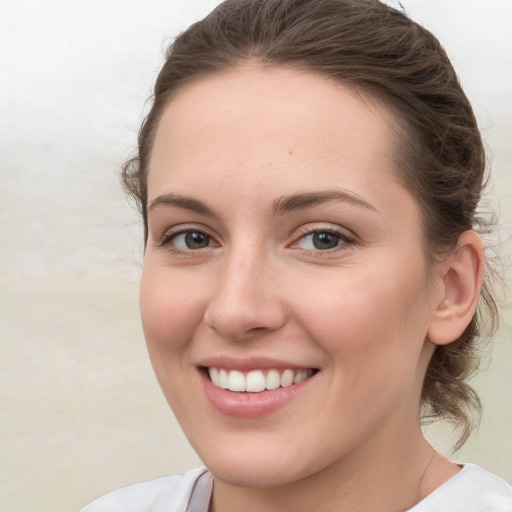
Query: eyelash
point(343, 240)
point(167, 239)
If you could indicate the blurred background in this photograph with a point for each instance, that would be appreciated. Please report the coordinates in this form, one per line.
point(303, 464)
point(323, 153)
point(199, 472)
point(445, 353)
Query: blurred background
point(80, 410)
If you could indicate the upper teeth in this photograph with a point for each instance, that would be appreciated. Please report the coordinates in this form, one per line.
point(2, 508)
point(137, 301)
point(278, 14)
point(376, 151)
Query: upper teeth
point(256, 380)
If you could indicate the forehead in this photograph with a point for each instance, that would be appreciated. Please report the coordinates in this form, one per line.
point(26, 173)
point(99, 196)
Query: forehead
point(271, 97)
point(302, 125)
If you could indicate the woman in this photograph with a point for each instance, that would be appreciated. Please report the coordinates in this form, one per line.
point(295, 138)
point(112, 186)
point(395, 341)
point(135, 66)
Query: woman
point(308, 178)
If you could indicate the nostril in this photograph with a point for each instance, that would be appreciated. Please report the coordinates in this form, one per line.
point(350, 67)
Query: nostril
point(256, 329)
point(241, 308)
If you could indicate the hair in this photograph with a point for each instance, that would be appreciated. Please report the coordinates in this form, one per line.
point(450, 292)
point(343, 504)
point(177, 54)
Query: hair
point(379, 52)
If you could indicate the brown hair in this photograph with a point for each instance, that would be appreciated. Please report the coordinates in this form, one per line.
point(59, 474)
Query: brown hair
point(380, 52)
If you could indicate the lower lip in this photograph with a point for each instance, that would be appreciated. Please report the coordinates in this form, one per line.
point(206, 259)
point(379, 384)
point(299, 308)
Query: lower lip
point(251, 405)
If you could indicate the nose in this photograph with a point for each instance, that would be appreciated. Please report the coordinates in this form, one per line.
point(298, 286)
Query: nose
point(245, 302)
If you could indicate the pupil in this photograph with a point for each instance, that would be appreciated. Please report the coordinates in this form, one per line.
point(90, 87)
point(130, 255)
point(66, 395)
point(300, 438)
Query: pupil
point(196, 240)
point(325, 240)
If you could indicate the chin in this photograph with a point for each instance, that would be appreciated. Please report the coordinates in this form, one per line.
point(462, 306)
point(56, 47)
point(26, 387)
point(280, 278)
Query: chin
point(264, 464)
point(249, 474)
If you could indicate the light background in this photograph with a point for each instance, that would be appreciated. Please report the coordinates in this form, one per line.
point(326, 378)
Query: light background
point(81, 412)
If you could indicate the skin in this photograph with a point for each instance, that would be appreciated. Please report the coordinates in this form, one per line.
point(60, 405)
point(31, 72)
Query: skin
point(364, 312)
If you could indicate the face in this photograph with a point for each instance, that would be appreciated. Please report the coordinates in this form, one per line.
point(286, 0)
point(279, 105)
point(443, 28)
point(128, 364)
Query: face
point(283, 258)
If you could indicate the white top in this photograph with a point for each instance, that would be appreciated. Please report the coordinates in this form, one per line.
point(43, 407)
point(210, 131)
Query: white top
point(473, 489)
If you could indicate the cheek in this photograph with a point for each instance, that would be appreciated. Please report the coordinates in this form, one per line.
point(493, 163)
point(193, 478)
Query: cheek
point(372, 318)
point(171, 312)
point(171, 309)
point(373, 335)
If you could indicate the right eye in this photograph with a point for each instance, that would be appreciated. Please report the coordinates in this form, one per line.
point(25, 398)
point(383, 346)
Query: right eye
point(187, 240)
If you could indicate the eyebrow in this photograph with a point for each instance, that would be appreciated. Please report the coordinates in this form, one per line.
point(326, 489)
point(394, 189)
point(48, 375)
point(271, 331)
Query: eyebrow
point(184, 202)
point(281, 206)
point(310, 199)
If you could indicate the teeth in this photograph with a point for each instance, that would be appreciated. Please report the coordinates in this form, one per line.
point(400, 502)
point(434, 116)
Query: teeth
point(273, 380)
point(215, 377)
point(236, 381)
point(286, 378)
point(300, 376)
point(297, 378)
point(223, 379)
point(256, 381)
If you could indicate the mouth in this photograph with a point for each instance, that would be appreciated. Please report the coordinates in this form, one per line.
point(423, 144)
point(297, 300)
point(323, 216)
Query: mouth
point(257, 381)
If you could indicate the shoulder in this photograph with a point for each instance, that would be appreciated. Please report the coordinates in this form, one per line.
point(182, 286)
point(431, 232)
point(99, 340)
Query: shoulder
point(169, 494)
point(473, 489)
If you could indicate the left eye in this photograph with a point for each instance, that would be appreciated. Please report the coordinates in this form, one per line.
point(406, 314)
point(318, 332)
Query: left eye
point(320, 240)
point(190, 240)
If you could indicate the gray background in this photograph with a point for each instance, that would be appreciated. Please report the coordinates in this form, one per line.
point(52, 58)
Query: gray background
point(81, 412)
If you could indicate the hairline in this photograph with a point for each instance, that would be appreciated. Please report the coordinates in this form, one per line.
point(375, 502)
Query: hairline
point(400, 125)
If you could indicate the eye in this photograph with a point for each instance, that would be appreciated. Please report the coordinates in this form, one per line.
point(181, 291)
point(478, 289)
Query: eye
point(191, 240)
point(187, 240)
point(322, 240)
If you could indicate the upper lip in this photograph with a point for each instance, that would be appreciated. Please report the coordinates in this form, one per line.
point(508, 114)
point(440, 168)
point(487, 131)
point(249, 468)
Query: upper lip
point(249, 363)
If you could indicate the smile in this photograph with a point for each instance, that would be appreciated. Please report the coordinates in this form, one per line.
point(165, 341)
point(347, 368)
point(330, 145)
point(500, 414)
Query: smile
point(257, 381)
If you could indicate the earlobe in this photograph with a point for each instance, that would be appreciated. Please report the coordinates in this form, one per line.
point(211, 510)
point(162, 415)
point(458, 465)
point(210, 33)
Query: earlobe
point(462, 277)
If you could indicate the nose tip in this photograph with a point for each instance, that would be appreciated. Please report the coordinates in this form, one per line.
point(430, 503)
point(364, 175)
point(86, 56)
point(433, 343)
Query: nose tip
point(244, 305)
point(235, 325)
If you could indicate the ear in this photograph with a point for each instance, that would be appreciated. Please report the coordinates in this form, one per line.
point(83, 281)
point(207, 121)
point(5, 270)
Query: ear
point(461, 276)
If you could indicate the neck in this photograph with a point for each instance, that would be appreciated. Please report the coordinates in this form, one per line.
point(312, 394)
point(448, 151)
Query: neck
point(383, 476)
